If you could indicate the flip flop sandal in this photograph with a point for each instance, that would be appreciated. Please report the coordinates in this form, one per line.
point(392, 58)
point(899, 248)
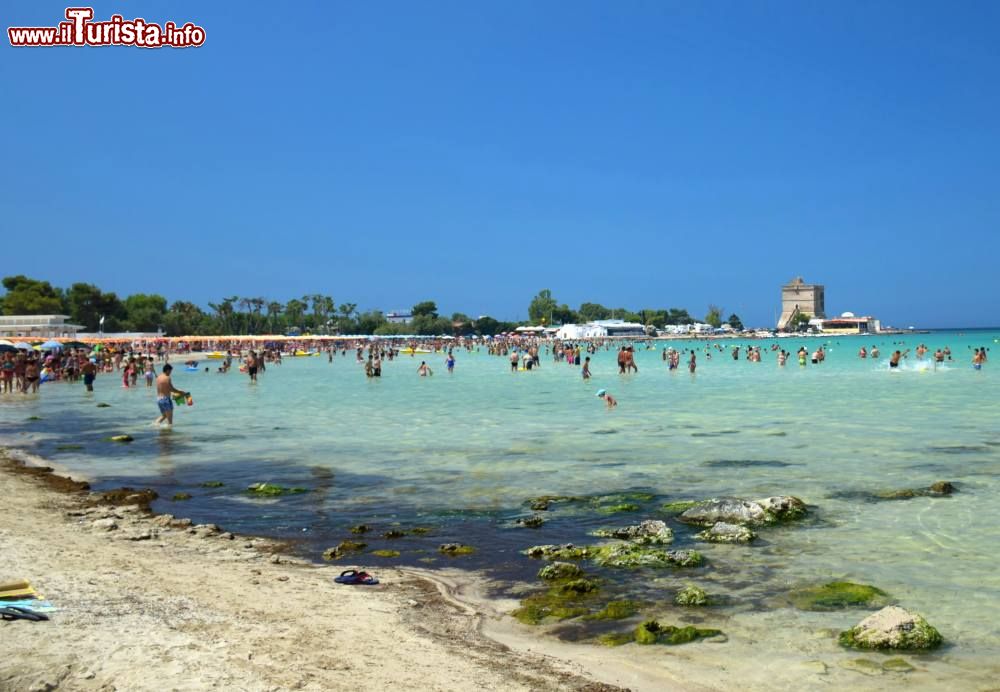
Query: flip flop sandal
point(15, 613)
point(351, 576)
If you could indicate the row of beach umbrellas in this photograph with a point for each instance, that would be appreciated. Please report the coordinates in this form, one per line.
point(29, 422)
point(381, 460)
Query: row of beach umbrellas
point(51, 345)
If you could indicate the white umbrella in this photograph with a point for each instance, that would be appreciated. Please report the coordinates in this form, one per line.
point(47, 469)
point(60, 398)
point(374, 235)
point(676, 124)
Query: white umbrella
point(4, 342)
point(23, 346)
point(50, 345)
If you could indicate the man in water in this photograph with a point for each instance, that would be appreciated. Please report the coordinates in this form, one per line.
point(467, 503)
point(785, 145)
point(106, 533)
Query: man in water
point(424, 370)
point(164, 389)
point(586, 368)
point(896, 357)
point(693, 363)
point(89, 371)
point(252, 364)
point(608, 399)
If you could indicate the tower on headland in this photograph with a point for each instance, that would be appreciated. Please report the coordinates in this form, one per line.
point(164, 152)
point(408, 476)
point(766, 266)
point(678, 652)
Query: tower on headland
point(798, 297)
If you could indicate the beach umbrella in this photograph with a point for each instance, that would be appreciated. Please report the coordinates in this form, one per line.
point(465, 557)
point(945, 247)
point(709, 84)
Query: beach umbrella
point(51, 345)
point(4, 342)
point(22, 346)
point(74, 344)
point(8, 348)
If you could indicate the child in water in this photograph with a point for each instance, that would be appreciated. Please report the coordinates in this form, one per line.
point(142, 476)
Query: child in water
point(608, 399)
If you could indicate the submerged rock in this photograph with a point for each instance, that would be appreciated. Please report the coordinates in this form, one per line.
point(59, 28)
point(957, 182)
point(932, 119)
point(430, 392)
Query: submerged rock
point(360, 529)
point(121, 438)
point(272, 490)
point(578, 586)
point(620, 508)
point(456, 549)
point(644, 533)
point(545, 502)
point(678, 507)
point(838, 595)
point(393, 533)
point(721, 532)
point(733, 510)
point(344, 548)
point(691, 595)
point(532, 522)
point(892, 628)
point(567, 551)
point(212, 484)
point(633, 555)
point(385, 553)
point(936, 489)
point(615, 610)
point(178, 497)
point(652, 632)
point(559, 570)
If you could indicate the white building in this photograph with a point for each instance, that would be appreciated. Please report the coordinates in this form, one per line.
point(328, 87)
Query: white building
point(398, 317)
point(599, 329)
point(37, 326)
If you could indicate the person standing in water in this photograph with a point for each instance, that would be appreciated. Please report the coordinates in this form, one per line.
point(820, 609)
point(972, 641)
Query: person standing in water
point(89, 371)
point(450, 362)
point(586, 368)
point(608, 399)
point(164, 390)
point(693, 363)
point(424, 370)
point(252, 365)
point(896, 357)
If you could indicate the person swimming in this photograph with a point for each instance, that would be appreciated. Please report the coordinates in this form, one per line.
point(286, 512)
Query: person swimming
point(608, 399)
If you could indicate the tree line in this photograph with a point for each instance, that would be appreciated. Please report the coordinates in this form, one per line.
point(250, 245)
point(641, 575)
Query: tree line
point(545, 309)
point(86, 304)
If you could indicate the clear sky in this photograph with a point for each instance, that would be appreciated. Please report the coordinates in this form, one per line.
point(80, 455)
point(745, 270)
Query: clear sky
point(639, 154)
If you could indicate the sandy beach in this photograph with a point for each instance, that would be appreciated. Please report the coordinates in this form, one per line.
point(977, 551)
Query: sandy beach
point(153, 603)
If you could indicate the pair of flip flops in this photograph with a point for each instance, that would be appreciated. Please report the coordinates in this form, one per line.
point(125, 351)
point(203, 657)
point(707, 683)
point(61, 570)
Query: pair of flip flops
point(18, 613)
point(353, 576)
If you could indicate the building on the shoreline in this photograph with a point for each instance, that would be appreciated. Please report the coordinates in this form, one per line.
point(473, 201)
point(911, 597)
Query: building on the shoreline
point(848, 323)
point(37, 326)
point(398, 317)
point(600, 329)
point(800, 298)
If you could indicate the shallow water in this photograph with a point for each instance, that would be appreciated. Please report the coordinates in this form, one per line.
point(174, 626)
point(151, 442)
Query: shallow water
point(462, 453)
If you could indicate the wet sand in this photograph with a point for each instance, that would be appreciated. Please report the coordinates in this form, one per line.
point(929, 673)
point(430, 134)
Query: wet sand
point(152, 603)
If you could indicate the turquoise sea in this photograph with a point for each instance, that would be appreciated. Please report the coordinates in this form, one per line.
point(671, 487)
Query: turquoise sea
point(461, 454)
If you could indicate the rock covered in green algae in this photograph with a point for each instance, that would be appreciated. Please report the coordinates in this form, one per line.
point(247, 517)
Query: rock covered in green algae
point(393, 533)
point(385, 553)
point(559, 570)
point(620, 508)
point(731, 510)
point(181, 496)
point(545, 502)
point(892, 628)
point(678, 507)
point(566, 551)
point(650, 531)
point(121, 438)
point(615, 610)
point(212, 484)
point(937, 489)
point(455, 549)
point(897, 665)
point(578, 586)
point(838, 595)
point(532, 522)
point(344, 548)
point(633, 555)
point(272, 490)
point(360, 529)
point(616, 638)
point(721, 532)
point(652, 632)
point(103, 405)
point(691, 595)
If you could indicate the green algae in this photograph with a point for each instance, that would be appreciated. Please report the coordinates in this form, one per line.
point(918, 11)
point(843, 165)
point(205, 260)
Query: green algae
point(68, 448)
point(544, 502)
point(532, 522)
point(121, 438)
point(420, 530)
point(838, 595)
point(577, 586)
point(616, 610)
point(103, 405)
point(652, 632)
point(921, 636)
point(632, 496)
point(560, 602)
point(212, 484)
point(344, 548)
point(678, 507)
point(272, 490)
point(34, 418)
point(567, 551)
point(455, 549)
point(181, 496)
point(691, 595)
point(385, 553)
point(897, 665)
point(360, 529)
point(620, 508)
point(393, 533)
point(616, 638)
point(559, 570)
point(631, 555)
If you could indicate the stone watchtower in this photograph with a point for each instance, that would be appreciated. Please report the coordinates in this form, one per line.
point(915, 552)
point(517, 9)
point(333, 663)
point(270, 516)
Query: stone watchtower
point(799, 297)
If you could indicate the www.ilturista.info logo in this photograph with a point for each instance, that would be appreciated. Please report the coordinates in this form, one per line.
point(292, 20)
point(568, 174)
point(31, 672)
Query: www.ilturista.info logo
point(117, 31)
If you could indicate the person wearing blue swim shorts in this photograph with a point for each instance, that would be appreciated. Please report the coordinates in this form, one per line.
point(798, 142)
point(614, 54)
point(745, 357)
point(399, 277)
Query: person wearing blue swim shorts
point(164, 390)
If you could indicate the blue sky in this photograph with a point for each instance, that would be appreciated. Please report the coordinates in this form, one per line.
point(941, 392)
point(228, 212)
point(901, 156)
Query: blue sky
point(644, 154)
